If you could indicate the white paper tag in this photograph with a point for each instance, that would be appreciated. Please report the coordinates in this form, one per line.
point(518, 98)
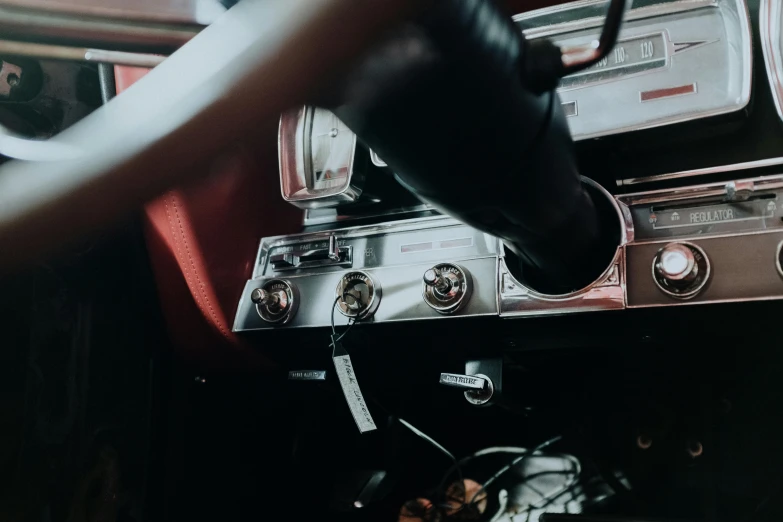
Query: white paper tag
point(353, 395)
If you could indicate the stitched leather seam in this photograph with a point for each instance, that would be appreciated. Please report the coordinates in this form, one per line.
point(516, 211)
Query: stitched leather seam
point(200, 285)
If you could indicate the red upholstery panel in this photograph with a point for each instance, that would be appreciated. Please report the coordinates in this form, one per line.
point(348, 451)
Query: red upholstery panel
point(202, 241)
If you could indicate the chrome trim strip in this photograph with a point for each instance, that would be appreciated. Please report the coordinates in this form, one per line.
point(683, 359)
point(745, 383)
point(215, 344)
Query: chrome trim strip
point(770, 18)
point(748, 165)
point(640, 13)
point(700, 191)
point(711, 301)
point(82, 54)
point(311, 220)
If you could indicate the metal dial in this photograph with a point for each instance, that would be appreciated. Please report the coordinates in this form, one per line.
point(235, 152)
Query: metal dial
point(681, 270)
point(446, 287)
point(359, 293)
point(276, 301)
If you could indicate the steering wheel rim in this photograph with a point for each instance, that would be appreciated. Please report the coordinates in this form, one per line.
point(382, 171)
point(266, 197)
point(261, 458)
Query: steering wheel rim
point(254, 62)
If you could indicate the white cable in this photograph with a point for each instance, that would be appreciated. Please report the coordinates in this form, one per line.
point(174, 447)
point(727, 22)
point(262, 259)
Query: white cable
point(499, 449)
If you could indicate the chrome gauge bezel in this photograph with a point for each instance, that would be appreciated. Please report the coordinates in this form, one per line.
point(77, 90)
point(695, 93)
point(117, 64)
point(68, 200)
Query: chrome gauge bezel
point(771, 32)
point(664, 95)
point(294, 149)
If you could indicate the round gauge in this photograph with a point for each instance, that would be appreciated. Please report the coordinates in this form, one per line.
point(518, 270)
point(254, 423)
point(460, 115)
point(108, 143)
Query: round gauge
point(771, 26)
point(330, 150)
point(317, 153)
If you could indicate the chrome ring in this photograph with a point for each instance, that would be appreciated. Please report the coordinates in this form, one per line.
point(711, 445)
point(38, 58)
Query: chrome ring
point(480, 397)
point(626, 236)
point(695, 290)
point(374, 288)
point(293, 302)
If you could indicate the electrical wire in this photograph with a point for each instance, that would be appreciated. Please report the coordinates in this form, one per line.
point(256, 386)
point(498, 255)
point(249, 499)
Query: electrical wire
point(351, 322)
point(521, 458)
point(446, 452)
point(480, 453)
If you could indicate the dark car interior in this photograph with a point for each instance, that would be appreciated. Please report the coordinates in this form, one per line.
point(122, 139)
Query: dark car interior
point(488, 260)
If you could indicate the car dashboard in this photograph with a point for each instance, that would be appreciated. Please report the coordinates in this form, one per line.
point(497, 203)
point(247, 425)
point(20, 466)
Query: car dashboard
point(679, 80)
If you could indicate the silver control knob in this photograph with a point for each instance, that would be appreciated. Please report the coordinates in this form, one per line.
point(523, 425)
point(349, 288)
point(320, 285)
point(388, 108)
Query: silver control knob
point(446, 288)
point(676, 262)
point(276, 301)
point(435, 278)
point(359, 295)
point(681, 270)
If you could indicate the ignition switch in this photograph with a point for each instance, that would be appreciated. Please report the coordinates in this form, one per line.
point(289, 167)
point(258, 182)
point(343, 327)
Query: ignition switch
point(359, 295)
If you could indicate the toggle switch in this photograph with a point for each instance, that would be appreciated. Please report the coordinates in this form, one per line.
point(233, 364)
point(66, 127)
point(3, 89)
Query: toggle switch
point(478, 388)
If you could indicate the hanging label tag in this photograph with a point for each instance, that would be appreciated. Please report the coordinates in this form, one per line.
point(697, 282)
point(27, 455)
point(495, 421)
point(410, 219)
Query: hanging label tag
point(350, 386)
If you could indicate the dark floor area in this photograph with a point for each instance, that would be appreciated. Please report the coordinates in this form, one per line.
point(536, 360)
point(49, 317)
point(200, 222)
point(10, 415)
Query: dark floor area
point(101, 421)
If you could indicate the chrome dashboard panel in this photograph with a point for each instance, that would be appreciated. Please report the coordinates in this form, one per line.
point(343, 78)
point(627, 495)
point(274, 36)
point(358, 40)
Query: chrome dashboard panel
point(771, 32)
point(738, 225)
point(674, 62)
point(395, 254)
point(743, 269)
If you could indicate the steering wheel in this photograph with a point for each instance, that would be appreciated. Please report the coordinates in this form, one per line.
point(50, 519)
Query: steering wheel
point(251, 64)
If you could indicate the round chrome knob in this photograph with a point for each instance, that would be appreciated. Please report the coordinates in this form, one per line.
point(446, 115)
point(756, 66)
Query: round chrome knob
point(676, 262)
point(261, 296)
point(275, 301)
point(681, 270)
point(447, 287)
point(436, 279)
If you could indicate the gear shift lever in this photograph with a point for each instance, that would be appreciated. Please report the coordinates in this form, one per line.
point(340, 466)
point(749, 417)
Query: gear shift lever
point(463, 110)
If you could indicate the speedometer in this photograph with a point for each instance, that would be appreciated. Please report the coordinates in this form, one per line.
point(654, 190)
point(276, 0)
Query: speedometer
point(674, 61)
